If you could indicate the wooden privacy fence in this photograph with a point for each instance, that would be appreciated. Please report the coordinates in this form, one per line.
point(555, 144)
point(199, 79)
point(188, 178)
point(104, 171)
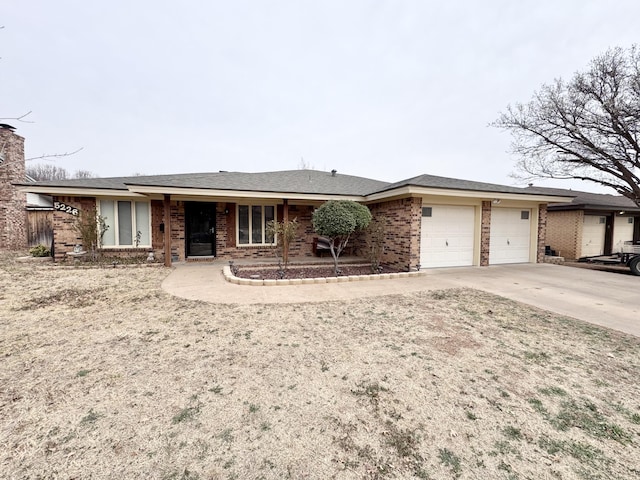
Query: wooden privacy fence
point(40, 228)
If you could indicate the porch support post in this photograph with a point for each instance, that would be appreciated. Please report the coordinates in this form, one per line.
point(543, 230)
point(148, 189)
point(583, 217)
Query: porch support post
point(285, 219)
point(167, 230)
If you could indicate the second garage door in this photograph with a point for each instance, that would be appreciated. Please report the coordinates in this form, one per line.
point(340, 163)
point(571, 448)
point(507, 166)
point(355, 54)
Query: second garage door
point(593, 230)
point(510, 235)
point(447, 236)
point(622, 232)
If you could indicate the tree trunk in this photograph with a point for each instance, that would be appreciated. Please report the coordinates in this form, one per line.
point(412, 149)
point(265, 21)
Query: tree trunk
point(335, 260)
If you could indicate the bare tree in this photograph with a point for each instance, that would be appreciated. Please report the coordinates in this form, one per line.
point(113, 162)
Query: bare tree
point(83, 174)
point(586, 129)
point(46, 172)
point(52, 172)
point(304, 165)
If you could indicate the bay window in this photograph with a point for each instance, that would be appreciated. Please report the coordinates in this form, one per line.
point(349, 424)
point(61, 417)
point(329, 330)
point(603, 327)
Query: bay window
point(128, 223)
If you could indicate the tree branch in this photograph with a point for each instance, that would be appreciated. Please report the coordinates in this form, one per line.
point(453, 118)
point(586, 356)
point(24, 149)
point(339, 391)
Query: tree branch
point(586, 129)
point(21, 118)
point(49, 156)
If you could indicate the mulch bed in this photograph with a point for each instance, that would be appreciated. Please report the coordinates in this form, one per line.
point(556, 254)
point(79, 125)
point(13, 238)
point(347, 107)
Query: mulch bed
point(271, 273)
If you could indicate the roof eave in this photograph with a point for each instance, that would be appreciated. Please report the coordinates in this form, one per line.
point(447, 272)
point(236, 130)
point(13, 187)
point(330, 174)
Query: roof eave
point(586, 206)
point(221, 193)
point(411, 190)
point(77, 191)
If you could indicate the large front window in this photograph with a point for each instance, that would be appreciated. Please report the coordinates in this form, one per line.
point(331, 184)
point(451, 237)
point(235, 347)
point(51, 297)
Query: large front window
point(128, 222)
point(252, 223)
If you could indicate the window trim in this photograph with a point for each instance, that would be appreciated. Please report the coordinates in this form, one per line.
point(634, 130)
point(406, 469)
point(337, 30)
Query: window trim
point(264, 225)
point(134, 223)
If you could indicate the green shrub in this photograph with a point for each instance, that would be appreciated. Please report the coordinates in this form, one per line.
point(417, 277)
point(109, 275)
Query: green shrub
point(40, 251)
point(338, 220)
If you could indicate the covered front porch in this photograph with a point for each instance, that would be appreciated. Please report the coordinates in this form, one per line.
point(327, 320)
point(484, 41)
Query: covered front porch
point(222, 229)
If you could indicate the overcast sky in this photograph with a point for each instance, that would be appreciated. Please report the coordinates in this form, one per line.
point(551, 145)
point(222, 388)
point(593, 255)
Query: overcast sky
point(382, 89)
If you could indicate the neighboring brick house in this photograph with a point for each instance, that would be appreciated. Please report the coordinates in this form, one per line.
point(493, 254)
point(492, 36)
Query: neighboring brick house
point(429, 221)
point(13, 201)
point(591, 224)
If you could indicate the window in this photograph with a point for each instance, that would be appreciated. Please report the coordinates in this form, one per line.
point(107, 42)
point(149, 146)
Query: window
point(426, 211)
point(524, 215)
point(252, 223)
point(128, 222)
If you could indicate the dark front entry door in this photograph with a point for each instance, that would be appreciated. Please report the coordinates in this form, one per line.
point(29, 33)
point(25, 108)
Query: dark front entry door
point(201, 228)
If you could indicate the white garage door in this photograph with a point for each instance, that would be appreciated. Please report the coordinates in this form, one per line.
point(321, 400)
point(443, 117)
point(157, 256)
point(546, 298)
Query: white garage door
point(593, 230)
point(510, 235)
point(622, 232)
point(447, 236)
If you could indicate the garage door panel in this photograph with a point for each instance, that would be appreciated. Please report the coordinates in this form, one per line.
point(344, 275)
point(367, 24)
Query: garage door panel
point(622, 232)
point(593, 232)
point(510, 236)
point(447, 237)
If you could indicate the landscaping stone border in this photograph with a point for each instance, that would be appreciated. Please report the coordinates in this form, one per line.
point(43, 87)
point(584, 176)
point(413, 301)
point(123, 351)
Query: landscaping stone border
point(231, 278)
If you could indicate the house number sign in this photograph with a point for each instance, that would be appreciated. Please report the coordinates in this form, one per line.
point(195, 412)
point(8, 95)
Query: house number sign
point(63, 207)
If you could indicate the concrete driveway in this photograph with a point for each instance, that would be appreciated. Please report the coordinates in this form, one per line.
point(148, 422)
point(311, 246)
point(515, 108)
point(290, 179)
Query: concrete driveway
point(603, 298)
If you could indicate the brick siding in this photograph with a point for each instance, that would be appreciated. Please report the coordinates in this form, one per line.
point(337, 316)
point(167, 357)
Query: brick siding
point(302, 245)
point(402, 220)
point(485, 233)
point(157, 236)
point(542, 232)
point(13, 203)
point(65, 237)
point(564, 233)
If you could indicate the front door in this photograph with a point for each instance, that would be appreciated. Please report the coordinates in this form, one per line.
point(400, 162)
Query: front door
point(200, 218)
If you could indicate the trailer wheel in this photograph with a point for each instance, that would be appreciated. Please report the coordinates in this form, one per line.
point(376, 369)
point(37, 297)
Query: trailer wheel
point(634, 265)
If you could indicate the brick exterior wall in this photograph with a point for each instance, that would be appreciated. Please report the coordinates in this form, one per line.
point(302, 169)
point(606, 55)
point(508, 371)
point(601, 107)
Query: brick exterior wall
point(564, 233)
point(13, 203)
point(485, 233)
point(402, 220)
point(302, 246)
point(157, 237)
point(65, 237)
point(542, 232)
point(178, 233)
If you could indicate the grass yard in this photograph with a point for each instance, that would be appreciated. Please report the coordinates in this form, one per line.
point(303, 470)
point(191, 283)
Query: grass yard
point(103, 375)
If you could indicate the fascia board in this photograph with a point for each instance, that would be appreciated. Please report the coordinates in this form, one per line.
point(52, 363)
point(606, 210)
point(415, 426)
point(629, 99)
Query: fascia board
point(227, 194)
point(443, 192)
point(79, 192)
point(604, 209)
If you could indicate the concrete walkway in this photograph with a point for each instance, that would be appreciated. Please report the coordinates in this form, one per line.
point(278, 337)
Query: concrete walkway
point(608, 299)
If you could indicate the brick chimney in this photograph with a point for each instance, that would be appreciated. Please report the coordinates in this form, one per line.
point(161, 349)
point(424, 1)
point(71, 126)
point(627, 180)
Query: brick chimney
point(13, 204)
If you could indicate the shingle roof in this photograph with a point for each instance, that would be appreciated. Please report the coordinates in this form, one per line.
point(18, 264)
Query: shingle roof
point(432, 181)
point(287, 181)
point(586, 200)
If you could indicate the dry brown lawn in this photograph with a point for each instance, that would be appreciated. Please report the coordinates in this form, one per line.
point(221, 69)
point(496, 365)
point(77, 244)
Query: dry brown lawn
point(103, 375)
